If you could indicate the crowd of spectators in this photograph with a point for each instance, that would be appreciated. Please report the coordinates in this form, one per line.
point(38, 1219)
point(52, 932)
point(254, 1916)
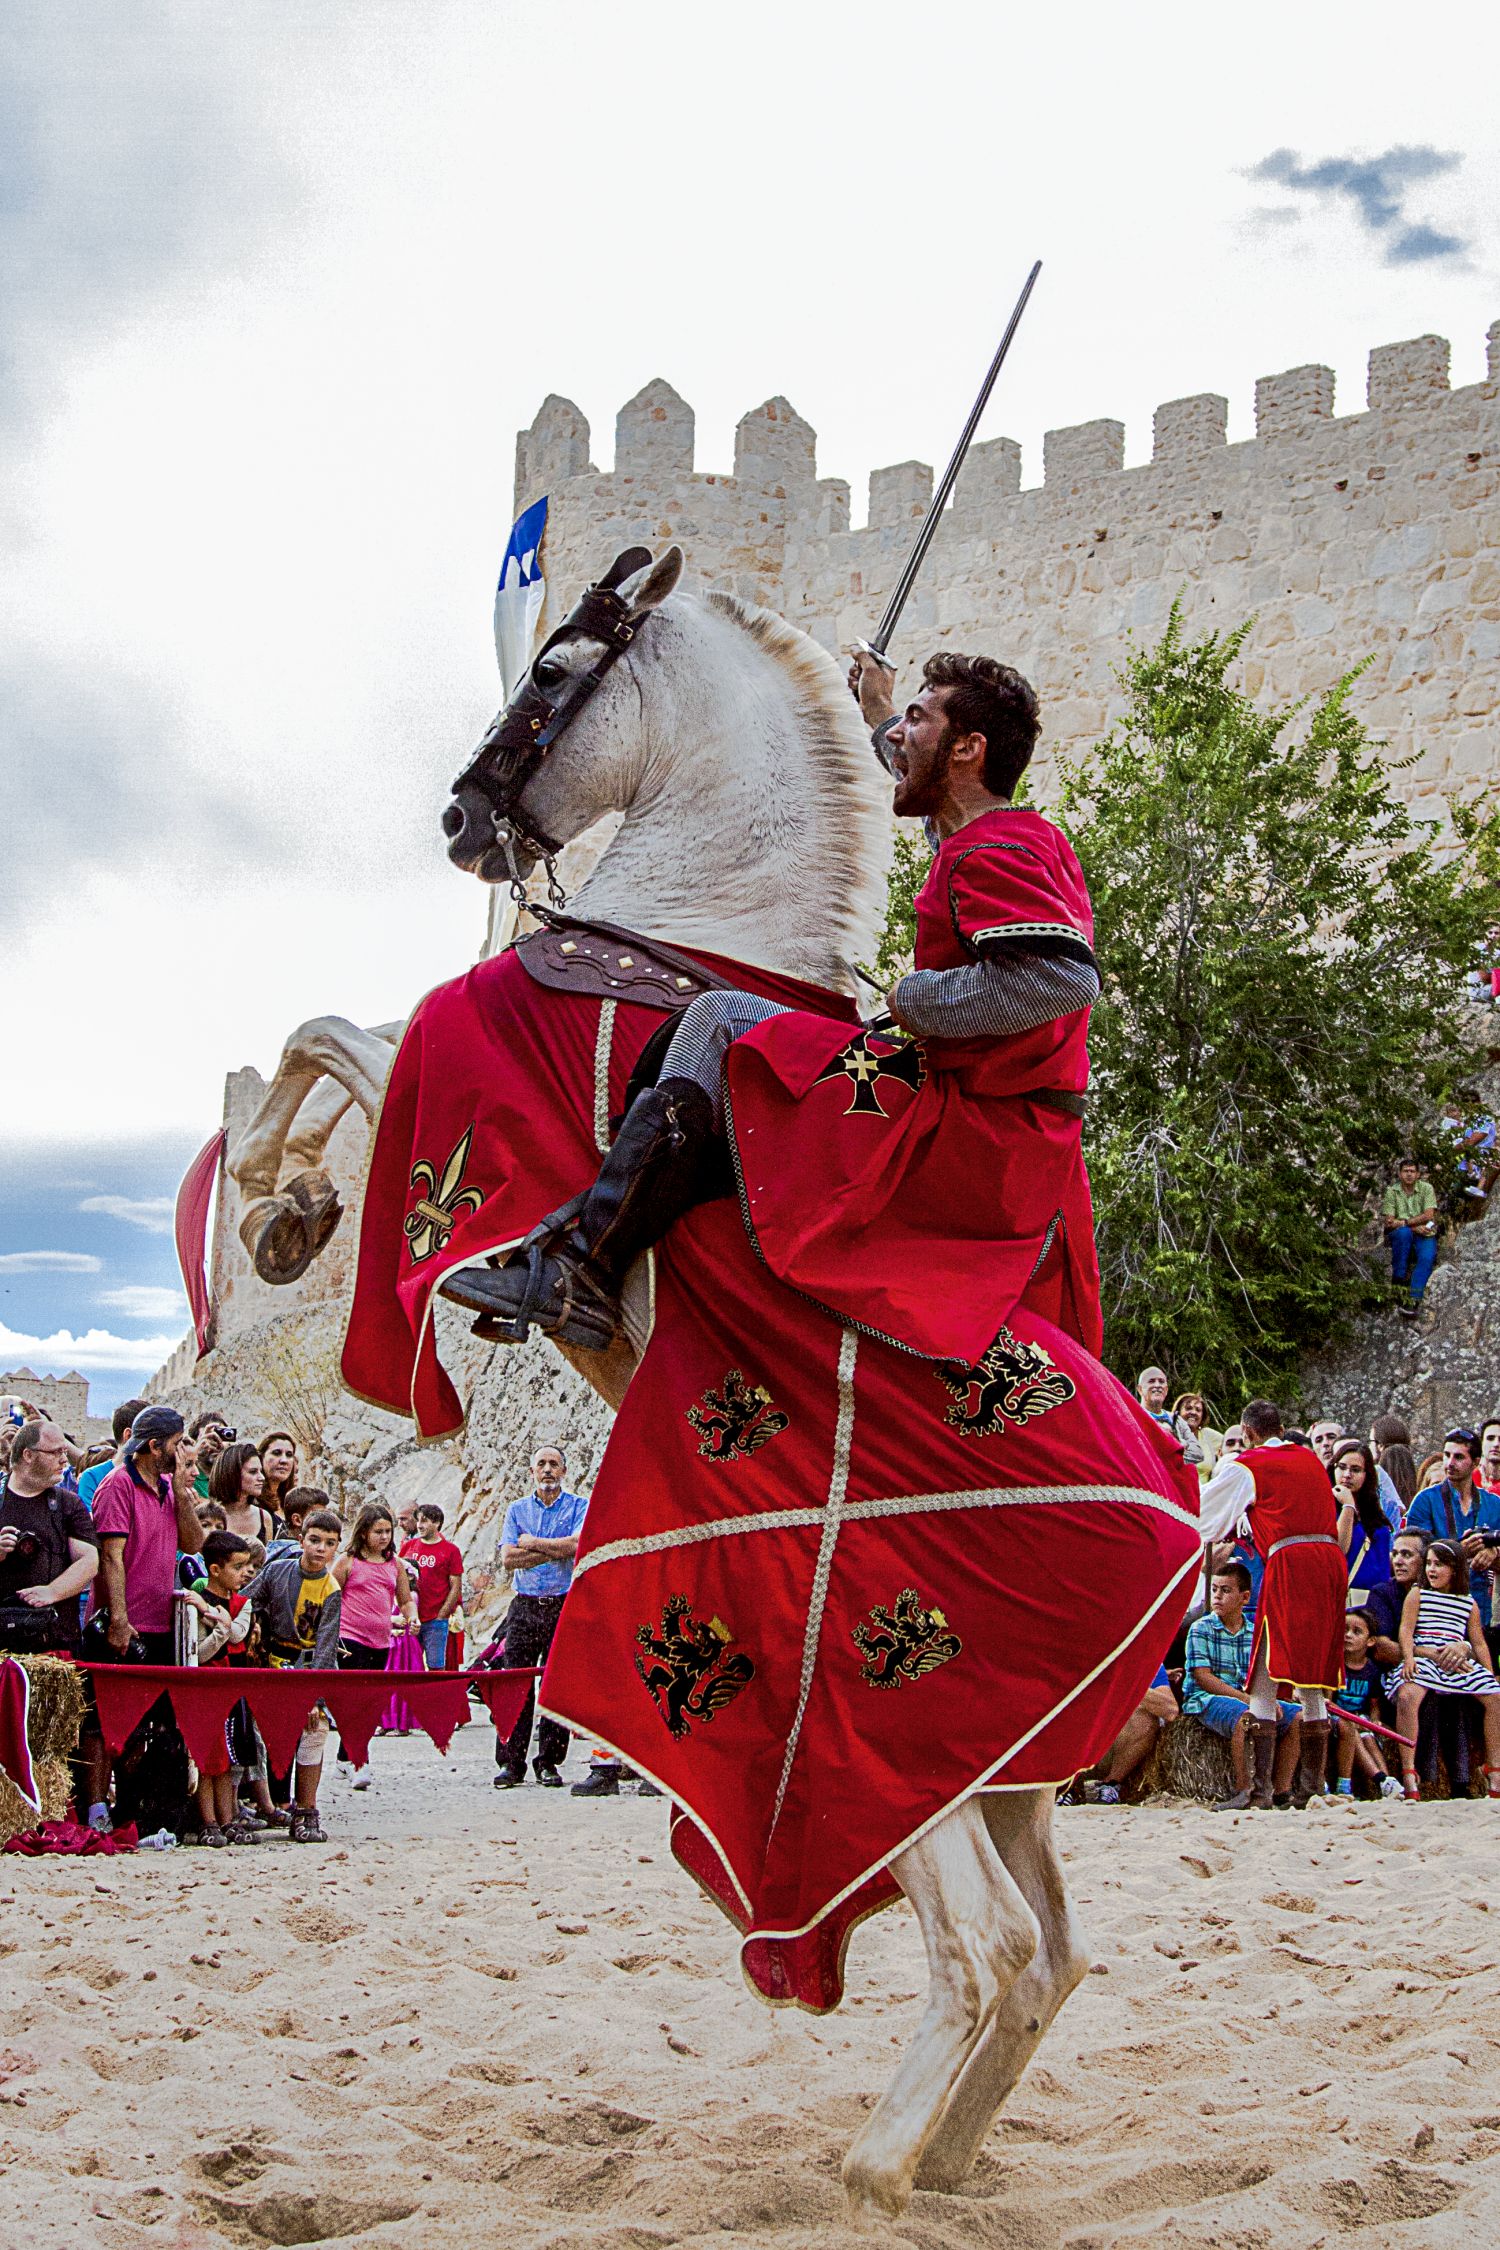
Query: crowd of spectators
point(1422, 1631)
point(178, 1544)
point(193, 1545)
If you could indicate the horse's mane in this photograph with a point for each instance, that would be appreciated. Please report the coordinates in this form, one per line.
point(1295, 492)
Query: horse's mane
point(842, 767)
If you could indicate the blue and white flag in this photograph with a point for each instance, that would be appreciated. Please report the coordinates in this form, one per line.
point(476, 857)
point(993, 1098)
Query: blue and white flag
point(519, 595)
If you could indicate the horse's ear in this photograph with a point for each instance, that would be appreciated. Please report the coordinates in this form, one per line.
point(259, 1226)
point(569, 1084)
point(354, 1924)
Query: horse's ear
point(648, 588)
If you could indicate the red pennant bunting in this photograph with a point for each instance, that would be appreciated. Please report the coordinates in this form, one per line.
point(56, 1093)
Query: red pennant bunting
point(124, 1694)
point(502, 1694)
point(202, 1714)
point(443, 1709)
point(355, 1701)
point(280, 1702)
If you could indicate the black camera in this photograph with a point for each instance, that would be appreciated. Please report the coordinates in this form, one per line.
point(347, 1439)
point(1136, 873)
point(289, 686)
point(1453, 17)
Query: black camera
point(27, 1544)
point(229, 1436)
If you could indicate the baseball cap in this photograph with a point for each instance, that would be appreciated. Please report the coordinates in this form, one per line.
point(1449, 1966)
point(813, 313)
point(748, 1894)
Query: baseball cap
point(152, 1422)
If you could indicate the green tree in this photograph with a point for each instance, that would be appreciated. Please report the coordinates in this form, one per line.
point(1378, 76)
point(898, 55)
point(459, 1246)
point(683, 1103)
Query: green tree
point(1283, 950)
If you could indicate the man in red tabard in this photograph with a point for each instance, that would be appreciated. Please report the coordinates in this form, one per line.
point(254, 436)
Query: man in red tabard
point(923, 1177)
point(1283, 1493)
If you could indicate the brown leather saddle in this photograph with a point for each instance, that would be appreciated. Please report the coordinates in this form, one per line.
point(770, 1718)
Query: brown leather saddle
point(600, 962)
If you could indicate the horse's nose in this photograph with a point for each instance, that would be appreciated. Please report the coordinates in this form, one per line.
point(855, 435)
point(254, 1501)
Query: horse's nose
point(468, 828)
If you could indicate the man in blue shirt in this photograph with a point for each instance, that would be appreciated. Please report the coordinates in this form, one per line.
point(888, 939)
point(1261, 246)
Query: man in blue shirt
point(121, 1422)
point(1459, 1509)
point(538, 1541)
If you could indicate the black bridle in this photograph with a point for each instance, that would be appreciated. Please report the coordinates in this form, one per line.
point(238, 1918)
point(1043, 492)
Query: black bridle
point(531, 722)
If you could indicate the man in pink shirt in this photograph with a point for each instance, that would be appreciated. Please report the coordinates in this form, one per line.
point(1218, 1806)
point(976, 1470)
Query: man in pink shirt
point(141, 1523)
point(141, 1526)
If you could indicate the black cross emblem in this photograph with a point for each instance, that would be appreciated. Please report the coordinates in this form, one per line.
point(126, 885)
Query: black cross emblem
point(865, 1067)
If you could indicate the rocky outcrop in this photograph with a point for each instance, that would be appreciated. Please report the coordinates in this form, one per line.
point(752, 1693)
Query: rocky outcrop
point(1436, 1371)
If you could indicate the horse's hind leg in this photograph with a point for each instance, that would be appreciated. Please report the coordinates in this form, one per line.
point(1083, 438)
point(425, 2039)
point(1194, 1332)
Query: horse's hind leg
point(1020, 1828)
point(980, 1934)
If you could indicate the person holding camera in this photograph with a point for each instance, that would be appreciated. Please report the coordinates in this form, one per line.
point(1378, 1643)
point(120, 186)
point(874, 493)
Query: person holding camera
point(48, 1550)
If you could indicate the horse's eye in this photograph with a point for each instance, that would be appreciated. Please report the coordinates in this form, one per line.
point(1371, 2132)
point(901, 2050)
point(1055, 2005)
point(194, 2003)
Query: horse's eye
point(549, 673)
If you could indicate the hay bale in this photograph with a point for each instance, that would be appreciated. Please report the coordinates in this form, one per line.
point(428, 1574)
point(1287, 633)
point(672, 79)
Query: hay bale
point(54, 1719)
point(53, 1786)
point(1188, 1761)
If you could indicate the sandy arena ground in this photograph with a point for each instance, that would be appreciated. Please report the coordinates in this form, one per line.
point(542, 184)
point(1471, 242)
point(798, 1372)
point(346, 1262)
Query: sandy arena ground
point(510, 2020)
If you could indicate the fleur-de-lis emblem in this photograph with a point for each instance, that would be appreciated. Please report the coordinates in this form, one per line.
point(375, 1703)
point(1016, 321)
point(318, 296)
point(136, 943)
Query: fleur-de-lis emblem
point(442, 1202)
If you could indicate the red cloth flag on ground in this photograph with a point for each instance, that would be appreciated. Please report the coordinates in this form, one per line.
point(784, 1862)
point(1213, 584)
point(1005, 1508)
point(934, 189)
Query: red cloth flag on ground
point(15, 1751)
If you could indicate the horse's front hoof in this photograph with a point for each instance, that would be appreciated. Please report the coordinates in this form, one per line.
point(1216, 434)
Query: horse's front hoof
point(289, 1230)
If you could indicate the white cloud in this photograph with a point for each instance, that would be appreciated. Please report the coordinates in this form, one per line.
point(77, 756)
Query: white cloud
point(153, 1213)
point(143, 1300)
point(50, 1261)
point(95, 1348)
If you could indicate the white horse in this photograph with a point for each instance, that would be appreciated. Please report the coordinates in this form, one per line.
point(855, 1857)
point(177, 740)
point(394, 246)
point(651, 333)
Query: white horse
point(756, 824)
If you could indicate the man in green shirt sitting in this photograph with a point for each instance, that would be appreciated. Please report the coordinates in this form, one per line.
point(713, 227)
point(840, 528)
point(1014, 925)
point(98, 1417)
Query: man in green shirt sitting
point(1409, 1215)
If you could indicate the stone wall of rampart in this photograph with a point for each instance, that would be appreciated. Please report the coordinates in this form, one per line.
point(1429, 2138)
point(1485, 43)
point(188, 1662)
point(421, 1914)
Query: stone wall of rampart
point(1371, 538)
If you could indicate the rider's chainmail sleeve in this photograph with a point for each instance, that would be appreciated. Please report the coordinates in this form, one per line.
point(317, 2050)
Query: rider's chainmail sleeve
point(1009, 990)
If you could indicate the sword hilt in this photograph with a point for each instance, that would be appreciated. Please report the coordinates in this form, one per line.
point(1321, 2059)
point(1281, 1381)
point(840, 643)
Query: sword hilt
point(868, 648)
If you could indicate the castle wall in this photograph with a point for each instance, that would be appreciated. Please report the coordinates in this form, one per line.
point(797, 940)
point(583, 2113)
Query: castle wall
point(1371, 537)
point(64, 1399)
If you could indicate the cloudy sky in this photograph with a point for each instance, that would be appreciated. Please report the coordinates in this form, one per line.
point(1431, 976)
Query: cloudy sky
point(283, 280)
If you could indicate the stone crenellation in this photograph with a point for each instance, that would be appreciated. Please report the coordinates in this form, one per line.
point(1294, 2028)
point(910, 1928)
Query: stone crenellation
point(1370, 538)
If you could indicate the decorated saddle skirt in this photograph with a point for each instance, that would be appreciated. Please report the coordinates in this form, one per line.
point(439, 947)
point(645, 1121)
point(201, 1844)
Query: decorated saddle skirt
point(826, 1589)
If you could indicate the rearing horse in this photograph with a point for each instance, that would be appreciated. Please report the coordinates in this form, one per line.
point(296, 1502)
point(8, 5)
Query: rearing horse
point(755, 826)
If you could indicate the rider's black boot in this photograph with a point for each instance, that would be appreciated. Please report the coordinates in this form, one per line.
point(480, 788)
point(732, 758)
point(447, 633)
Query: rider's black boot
point(566, 1277)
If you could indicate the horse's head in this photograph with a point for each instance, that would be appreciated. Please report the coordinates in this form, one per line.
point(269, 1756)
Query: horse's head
point(514, 803)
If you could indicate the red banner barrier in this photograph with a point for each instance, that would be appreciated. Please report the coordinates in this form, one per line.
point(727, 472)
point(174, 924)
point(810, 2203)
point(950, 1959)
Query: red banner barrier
point(280, 1702)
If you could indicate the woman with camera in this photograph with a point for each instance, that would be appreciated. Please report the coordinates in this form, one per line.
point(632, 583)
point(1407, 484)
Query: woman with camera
point(48, 1551)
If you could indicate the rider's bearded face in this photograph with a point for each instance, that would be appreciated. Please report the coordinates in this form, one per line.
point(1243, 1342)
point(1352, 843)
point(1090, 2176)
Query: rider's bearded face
point(920, 748)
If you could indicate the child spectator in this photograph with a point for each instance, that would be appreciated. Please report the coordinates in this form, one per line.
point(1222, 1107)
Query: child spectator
point(438, 1569)
point(295, 1510)
point(374, 1584)
point(1131, 1747)
point(1364, 1533)
point(223, 1638)
point(298, 1601)
point(1355, 1701)
point(190, 1567)
point(1438, 1616)
point(1214, 1692)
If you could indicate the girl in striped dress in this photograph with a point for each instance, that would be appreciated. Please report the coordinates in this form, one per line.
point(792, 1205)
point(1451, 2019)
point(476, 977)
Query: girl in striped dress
point(1438, 1615)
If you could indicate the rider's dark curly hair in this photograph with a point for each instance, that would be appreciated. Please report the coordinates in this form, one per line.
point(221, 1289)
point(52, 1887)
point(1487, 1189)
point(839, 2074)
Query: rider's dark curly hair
point(992, 699)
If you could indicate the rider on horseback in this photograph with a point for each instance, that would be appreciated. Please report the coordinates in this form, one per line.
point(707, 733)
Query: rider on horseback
point(1003, 952)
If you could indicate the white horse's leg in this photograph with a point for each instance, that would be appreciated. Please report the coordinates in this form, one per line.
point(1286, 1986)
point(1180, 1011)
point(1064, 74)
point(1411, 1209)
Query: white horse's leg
point(1020, 1828)
point(284, 1231)
point(980, 1934)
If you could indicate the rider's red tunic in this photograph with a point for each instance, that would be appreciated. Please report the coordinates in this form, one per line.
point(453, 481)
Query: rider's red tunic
point(918, 1191)
point(1294, 1524)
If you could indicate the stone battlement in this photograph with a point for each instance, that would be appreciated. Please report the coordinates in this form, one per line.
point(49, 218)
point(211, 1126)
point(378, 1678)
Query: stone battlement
point(1369, 536)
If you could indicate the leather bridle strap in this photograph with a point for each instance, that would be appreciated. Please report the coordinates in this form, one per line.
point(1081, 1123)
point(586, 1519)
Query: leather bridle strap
point(533, 720)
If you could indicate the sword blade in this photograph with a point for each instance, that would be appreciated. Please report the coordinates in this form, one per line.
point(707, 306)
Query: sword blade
point(880, 640)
